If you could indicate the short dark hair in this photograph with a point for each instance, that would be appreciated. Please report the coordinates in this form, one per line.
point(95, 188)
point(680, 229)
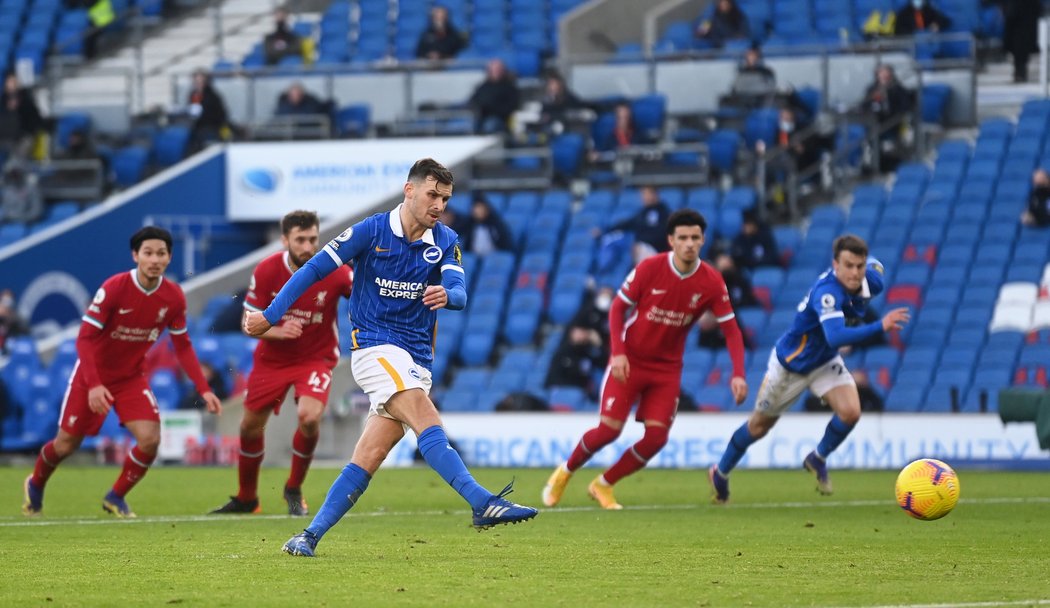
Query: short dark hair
point(686, 217)
point(851, 243)
point(299, 219)
point(150, 232)
point(428, 167)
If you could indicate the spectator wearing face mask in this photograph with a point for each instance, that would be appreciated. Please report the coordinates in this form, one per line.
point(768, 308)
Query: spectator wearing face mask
point(594, 313)
point(918, 16)
point(578, 356)
point(20, 200)
point(1038, 212)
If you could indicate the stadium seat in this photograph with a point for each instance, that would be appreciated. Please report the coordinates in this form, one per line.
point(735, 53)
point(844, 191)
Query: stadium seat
point(128, 165)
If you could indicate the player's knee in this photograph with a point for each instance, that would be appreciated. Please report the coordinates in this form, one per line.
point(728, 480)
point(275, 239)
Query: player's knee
point(654, 439)
point(64, 446)
point(758, 425)
point(600, 436)
point(149, 443)
point(850, 416)
point(309, 422)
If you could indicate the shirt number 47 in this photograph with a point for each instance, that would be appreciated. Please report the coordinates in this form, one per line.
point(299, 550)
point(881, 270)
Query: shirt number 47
point(319, 381)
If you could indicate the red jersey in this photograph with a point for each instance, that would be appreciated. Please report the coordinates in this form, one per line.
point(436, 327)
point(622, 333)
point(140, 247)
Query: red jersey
point(131, 319)
point(317, 310)
point(665, 305)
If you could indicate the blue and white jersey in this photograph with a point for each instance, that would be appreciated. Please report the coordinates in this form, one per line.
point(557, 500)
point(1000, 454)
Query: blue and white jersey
point(390, 276)
point(819, 328)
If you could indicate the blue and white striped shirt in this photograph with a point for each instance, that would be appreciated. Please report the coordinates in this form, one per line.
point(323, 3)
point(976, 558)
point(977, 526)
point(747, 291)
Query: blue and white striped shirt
point(390, 276)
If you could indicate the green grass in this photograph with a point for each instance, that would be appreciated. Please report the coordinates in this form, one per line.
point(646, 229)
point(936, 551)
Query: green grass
point(408, 542)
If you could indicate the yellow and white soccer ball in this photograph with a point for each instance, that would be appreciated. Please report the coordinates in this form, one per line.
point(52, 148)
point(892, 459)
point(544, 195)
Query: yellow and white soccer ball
point(927, 489)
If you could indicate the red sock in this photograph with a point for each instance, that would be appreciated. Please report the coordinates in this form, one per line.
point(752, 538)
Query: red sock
point(302, 456)
point(46, 463)
point(592, 441)
point(248, 463)
point(638, 455)
point(135, 467)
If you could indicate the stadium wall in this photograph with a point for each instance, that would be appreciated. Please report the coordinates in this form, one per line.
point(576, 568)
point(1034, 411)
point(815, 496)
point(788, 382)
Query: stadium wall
point(880, 441)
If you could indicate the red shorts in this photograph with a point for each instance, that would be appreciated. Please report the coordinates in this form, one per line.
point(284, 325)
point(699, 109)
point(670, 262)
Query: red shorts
point(132, 400)
point(655, 389)
point(268, 384)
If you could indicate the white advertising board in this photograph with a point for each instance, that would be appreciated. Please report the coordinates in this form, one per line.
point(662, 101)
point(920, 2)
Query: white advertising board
point(264, 181)
point(697, 440)
point(175, 428)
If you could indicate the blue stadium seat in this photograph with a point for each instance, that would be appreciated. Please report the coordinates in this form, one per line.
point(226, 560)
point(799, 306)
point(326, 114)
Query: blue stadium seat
point(905, 398)
point(165, 387)
point(169, 145)
point(128, 165)
point(567, 398)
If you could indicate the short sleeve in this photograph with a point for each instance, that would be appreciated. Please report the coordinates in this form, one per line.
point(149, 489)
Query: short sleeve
point(259, 293)
point(452, 258)
point(721, 305)
point(632, 289)
point(827, 302)
point(177, 325)
point(102, 304)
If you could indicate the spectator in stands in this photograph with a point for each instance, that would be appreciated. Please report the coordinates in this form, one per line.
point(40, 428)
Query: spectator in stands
point(206, 107)
point(886, 98)
point(11, 323)
point(870, 401)
point(741, 295)
point(1020, 33)
point(193, 401)
point(484, 231)
point(792, 152)
point(755, 84)
point(559, 105)
point(727, 22)
point(20, 118)
point(441, 39)
point(919, 16)
point(20, 200)
point(495, 99)
point(594, 313)
point(297, 102)
point(755, 245)
point(228, 319)
point(79, 147)
point(624, 133)
point(1038, 212)
point(578, 356)
point(282, 41)
point(649, 225)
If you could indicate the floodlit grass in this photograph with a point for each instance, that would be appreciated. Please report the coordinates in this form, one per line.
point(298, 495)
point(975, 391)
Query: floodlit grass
point(409, 542)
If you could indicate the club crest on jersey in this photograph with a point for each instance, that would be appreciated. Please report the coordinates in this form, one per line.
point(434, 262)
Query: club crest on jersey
point(432, 254)
point(321, 295)
point(160, 314)
point(695, 301)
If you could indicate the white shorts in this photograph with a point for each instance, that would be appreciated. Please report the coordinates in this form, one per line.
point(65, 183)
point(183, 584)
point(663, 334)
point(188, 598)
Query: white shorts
point(781, 387)
point(382, 371)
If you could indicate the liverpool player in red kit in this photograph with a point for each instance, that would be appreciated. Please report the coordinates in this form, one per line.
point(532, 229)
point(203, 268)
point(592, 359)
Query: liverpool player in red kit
point(125, 318)
point(298, 353)
point(657, 304)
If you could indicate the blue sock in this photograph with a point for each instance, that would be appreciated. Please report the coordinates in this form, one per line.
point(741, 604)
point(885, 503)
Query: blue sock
point(433, 444)
point(834, 435)
point(347, 488)
point(736, 449)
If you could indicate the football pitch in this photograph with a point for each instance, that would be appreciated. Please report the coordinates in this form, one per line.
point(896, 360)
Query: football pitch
point(409, 542)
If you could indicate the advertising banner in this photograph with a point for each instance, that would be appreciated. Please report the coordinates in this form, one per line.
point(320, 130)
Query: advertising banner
point(335, 178)
point(885, 441)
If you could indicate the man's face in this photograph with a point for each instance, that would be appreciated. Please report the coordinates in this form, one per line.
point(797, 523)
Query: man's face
point(301, 244)
point(849, 270)
point(152, 258)
point(426, 200)
point(686, 242)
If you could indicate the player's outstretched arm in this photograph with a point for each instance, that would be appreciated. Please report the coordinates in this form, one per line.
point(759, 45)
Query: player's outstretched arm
point(896, 319)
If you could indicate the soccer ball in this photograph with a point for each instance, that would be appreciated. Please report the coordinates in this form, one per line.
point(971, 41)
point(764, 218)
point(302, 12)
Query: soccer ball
point(927, 489)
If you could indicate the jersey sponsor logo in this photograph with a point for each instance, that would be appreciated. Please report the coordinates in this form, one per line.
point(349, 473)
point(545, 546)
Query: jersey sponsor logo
point(671, 318)
point(405, 290)
point(827, 303)
point(658, 292)
point(135, 334)
point(381, 250)
point(100, 295)
point(124, 311)
point(432, 254)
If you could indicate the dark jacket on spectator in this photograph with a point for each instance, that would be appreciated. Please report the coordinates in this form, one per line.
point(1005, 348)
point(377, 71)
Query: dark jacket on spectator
point(502, 237)
point(911, 21)
point(212, 114)
point(446, 44)
point(21, 108)
point(495, 99)
point(649, 226)
point(1039, 206)
point(759, 249)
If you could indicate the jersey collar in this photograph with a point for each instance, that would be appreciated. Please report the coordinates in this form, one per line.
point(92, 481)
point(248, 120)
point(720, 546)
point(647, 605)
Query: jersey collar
point(395, 226)
point(670, 262)
point(287, 262)
point(135, 279)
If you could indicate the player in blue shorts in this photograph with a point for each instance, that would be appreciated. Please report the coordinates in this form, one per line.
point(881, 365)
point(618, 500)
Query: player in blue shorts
point(406, 266)
point(807, 356)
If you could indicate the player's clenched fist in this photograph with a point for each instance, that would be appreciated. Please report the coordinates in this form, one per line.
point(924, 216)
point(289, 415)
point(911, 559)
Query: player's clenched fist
point(255, 324)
